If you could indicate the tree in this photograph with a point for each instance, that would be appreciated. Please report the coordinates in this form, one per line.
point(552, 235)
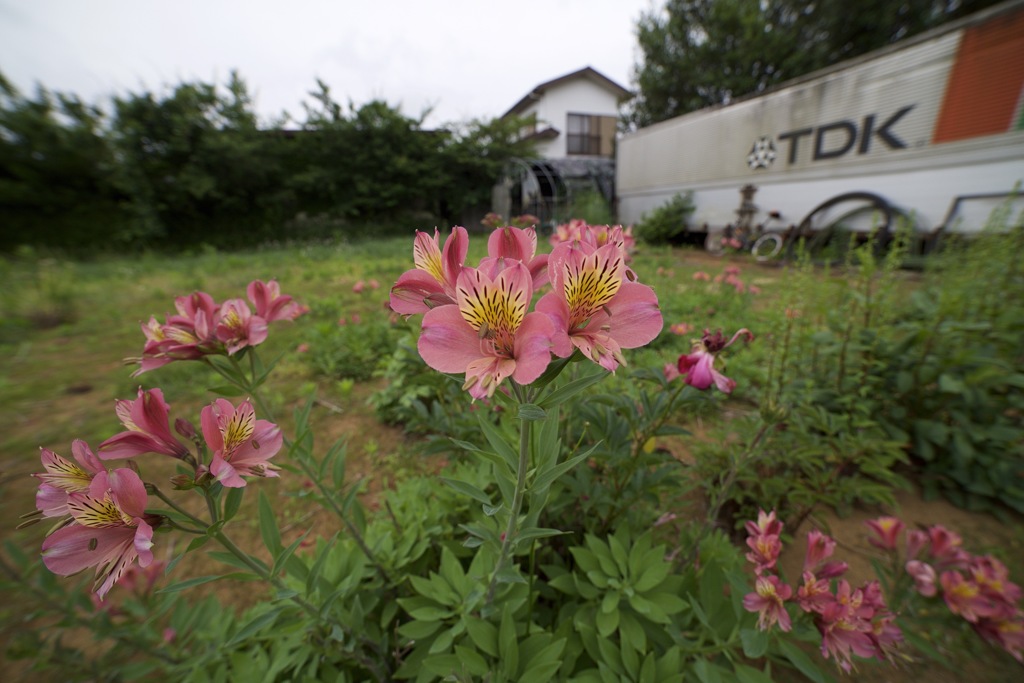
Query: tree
point(56, 171)
point(700, 53)
point(195, 166)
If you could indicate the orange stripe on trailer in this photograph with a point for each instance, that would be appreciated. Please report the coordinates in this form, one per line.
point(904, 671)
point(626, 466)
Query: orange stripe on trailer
point(987, 81)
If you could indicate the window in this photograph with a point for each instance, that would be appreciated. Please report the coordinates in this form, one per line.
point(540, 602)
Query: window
point(590, 134)
point(584, 135)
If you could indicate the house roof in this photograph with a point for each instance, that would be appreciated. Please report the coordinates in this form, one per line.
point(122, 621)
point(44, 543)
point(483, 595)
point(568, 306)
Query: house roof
point(586, 72)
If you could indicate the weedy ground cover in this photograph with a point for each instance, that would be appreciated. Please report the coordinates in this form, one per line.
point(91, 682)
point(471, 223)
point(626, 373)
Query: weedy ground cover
point(849, 400)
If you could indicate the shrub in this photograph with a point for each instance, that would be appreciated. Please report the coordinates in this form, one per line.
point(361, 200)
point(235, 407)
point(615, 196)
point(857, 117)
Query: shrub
point(668, 222)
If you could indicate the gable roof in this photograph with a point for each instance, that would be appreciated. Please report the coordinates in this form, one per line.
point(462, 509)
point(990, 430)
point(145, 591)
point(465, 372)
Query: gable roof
point(586, 72)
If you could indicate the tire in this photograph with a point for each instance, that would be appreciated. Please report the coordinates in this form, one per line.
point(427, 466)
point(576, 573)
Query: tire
point(767, 246)
point(827, 232)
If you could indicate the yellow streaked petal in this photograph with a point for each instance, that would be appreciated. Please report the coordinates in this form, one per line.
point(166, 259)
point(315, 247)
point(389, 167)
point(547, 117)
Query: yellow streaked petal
point(95, 513)
point(239, 428)
point(65, 475)
point(590, 284)
point(495, 309)
point(426, 255)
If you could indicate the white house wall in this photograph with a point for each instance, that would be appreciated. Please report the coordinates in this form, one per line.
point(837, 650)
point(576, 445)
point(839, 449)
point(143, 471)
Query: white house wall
point(580, 96)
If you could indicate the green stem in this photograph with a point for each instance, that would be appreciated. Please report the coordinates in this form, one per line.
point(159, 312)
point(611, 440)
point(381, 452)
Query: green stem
point(352, 530)
point(152, 488)
point(123, 636)
point(265, 411)
point(517, 499)
point(730, 478)
point(261, 571)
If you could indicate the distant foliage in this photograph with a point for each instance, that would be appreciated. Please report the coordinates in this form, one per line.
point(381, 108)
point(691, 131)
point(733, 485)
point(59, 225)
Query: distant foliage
point(668, 222)
point(193, 165)
point(699, 53)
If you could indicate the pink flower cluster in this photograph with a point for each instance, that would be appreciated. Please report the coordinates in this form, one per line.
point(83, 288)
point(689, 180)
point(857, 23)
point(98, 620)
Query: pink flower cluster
point(729, 276)
point(103, 518)
point(578, 230)
point(697, 367)
point(850, 621)
point(202, 327)
point(360, 286)
point(478, 320)
point(976, 588)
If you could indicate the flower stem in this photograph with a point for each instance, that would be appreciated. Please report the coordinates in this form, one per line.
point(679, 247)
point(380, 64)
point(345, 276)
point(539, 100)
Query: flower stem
point(250, 388)
point(162, 496)
point(730, 478)
point(517, 500)
point(260, 570)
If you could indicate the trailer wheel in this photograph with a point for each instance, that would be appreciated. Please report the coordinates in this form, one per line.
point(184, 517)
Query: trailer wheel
point(827, 233)
point(767, 246)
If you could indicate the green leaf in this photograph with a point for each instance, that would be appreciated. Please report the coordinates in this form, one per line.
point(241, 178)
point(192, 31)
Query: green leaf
point(323, 554)
point(755, 642)
point(497, 441)
point(254, 626)
point(607, 622)
point(529, 412)
point(189, 583)
point(233, 501)
point(282, 559)
point(508, 647)
point(652, 575)
point(418, 630)
point(468, 489)
point(707, 672)
point(483, 634)
point(555, 472)
point(801, 661)
point(268, 526)
point(530, 534)
point(564, 393)
point(748, 674)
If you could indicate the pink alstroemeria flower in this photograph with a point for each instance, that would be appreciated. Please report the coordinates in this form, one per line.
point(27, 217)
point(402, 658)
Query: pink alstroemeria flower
point(767, 524)
point(966, 598)
point(147, 429)
point(241, 444)
point(432, 282)
point(270, 304)
point(768, 601)
point(188, 335)
point(594, 308)
point(489, 335)
point(697, 367)
point(108, 532)
point(238, 328)
point(62, 477)
point(924, 577)
point(518, 244)
point(844, 635)
point(886, 532)
point(764, 553)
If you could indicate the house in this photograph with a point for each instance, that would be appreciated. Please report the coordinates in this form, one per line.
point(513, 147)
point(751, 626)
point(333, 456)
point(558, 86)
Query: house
point(572, 119)
point(573, 115)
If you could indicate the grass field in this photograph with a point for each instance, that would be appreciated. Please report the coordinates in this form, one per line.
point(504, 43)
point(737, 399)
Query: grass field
point(68, 326)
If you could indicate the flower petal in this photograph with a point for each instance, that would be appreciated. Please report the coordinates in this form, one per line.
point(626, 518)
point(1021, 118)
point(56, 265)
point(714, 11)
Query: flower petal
point(447, 342)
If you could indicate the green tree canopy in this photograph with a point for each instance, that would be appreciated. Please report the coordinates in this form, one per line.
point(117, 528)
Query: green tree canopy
point(700, 53)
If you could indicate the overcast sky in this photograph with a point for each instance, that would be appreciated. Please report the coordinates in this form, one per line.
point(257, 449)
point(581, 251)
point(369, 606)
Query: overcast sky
point(463, 58)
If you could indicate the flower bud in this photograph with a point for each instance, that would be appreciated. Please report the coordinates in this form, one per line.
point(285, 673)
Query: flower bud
point(182, 482)
point(185, 428)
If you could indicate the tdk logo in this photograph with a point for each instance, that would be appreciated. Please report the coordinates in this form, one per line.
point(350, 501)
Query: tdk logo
point(830, 141)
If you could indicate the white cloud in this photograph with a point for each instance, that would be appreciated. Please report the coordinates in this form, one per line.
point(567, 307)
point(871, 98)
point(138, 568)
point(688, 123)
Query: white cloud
point(464, 58)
